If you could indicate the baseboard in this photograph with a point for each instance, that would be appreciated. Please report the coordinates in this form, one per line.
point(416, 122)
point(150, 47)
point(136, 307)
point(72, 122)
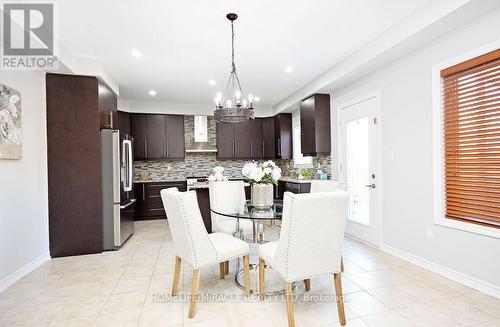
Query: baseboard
point(23, 271)
point(454, 275)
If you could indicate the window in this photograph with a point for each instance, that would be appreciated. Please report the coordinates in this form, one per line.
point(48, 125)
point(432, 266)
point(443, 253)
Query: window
point(299, 160)
point(470, 102)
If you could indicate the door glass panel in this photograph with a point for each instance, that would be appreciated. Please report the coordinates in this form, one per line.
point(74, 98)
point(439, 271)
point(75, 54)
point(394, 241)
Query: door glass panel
point(357, 169)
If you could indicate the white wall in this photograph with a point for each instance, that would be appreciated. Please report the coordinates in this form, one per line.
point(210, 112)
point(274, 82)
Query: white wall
point(24, 241)
point(406, 124)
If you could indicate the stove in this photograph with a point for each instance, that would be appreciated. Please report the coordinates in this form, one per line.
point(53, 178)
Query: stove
point(192, 181)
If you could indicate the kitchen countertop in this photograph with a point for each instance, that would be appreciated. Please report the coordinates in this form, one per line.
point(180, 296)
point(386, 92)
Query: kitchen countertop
point(158, 180)
point(294, 180)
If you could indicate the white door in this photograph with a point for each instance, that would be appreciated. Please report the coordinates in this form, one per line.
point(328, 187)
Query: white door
point(358, 167)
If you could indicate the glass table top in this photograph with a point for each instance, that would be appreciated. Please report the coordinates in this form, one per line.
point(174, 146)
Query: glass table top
point(248, 211)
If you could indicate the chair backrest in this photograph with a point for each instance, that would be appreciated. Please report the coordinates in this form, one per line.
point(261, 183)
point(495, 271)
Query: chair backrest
point(191, 241)
point(312, 233)
point(226, 196)
point(327, 186)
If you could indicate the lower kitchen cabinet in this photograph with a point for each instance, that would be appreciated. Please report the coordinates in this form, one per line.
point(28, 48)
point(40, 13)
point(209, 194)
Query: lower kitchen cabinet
point(149, 204)
point(296, 188)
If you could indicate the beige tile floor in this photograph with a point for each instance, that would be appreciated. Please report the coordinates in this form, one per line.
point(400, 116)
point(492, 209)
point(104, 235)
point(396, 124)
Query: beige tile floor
point(130, 287)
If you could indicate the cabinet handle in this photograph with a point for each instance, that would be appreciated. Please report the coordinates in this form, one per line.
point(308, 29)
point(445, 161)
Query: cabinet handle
point(110, 118)
point(263, 148)
point(146, 148)
point(166, 142)
point(279, 146)
point(251, 149)
point(234, 148)
point(143, 192)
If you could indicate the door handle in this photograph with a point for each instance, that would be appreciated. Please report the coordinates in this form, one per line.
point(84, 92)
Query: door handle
point(371, 185)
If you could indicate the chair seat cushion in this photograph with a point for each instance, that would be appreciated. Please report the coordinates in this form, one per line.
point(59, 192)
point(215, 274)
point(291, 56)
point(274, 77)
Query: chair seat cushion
point(229, 226)
point(267, 252)
point(228, 247)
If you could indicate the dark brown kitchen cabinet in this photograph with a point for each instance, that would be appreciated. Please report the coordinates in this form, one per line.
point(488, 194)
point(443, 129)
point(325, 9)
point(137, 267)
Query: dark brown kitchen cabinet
point(315, 134)
point(242, 141)
point(108, 107)
point(76, 109)
point(149, 204)
point(294, 187)
point(175, 136)
point(158, 136)
point(123, 122)
point(139, 132)
point(225, 141)
point(156, 147)
point(256, 139)
point(268, 138)
point(283, 136)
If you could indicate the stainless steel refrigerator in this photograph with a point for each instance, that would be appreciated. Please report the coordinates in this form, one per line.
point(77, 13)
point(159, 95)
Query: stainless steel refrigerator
point(117, 188)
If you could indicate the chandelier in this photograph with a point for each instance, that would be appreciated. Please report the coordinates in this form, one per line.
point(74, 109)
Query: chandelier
point(233, 107)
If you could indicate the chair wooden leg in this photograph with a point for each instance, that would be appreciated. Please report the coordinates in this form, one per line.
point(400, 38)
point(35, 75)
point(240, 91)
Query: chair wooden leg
point(341, 263)
point(246, 274)
point(226, 267)
point(340, 298)
point(222, 270)
point(194, 293)
point(177, 272)
point(262, 278)
point(289, 305)
point(307, 284)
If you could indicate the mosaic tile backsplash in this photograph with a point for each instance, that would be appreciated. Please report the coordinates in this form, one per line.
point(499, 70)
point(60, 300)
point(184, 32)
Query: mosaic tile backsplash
point(201, 164)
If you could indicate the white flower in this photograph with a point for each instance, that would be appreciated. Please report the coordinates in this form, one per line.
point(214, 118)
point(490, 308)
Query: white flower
point(212, 178)
point(219, 177)
point(218, 170)
point(225, 179)
point(248, 167)
point(276, 173)
point(256, 174)
point(267, 170)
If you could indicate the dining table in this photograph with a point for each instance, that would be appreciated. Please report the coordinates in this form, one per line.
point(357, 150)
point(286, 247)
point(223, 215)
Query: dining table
point(269, 217)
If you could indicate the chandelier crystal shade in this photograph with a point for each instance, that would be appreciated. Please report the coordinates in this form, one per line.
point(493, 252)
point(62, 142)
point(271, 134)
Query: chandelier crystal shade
point(233, 106)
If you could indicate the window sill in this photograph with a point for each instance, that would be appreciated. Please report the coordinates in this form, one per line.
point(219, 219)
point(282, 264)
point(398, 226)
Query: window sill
point(468, 227)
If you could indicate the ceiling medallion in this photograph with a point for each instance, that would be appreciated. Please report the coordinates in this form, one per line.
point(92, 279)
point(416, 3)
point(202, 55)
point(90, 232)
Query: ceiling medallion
point(233, 107)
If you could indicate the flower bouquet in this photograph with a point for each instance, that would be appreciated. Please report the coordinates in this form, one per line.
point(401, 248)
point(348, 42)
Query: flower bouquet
point(262, 176)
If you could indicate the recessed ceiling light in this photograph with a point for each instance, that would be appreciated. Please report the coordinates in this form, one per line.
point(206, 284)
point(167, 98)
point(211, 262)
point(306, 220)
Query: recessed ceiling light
point(256, 99)
point(136, 54)
point(212, 82)
point(152, 93)
point(288, 69)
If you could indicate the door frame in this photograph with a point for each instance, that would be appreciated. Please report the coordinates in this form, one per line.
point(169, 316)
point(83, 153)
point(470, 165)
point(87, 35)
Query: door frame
point(378, 153)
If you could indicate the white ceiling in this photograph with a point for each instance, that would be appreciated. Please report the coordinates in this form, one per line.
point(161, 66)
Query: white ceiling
point(186, 43)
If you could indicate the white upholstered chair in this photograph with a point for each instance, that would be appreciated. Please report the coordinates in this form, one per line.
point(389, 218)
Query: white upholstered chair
point(194, 246)
point(309, 244)
point(228, 196)
point(329, 186)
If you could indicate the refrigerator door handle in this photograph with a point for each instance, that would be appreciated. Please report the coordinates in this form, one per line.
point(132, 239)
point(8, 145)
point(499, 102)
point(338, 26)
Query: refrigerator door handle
point(127, 159)
point(132, 201)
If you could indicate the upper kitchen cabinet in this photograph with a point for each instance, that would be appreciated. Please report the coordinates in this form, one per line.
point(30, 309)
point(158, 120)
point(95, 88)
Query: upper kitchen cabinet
point(256, 139)
point(315, 135)
point(108, 108)
point(123, 122)
point(138, 130)
point(158, 136)
point(176, 147)
point(225, 141)
point(156, 147)
point(268, 138)
point(283, 136)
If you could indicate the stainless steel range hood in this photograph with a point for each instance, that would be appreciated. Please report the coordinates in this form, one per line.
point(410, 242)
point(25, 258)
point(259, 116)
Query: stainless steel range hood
point(201, 142)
